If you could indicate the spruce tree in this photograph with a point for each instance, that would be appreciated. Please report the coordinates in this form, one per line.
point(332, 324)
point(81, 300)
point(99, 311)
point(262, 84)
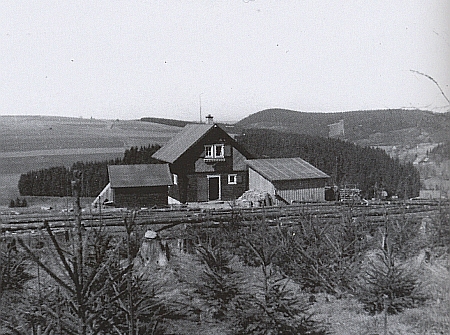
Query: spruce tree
point(277, 306)
point(386, 284)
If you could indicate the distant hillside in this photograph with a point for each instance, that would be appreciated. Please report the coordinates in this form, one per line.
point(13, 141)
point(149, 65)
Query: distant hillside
point(37, 142)
point(34, 142)
point(230, 128)
point(169, 122)
point(37, 133)
point(372, 127)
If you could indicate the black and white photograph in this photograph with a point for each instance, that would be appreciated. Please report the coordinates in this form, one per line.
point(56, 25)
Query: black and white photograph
point(225, 167)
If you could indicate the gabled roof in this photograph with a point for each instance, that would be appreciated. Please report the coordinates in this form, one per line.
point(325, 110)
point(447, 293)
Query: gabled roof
point(278, 169)
point(182, 141)
point(139, 175)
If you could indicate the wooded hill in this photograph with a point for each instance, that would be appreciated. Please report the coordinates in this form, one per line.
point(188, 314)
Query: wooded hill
point(396, 125)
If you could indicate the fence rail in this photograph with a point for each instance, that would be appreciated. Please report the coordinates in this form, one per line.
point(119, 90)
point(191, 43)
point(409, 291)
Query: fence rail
point(164, 219)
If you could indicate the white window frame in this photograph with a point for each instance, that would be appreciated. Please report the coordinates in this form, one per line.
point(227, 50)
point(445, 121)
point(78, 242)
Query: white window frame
point(213, 151)
point(175, 179)
point(221, 148)
point(232, 179)
point(209, 151)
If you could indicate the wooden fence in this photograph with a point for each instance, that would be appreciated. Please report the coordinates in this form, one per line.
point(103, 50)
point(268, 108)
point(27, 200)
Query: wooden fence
point(167, 218)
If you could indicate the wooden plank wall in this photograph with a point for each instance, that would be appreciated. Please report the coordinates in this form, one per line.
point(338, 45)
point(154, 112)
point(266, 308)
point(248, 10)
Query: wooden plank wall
point(305, 194)
point(297, 192)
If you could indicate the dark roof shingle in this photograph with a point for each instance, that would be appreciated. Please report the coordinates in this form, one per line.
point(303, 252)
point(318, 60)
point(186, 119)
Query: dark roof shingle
point(182, 141)
point(277, 169)
point(139, 175)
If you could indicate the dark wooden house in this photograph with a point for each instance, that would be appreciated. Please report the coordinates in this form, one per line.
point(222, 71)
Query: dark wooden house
point(141, 185)
point(206, 164)
point(287, 180)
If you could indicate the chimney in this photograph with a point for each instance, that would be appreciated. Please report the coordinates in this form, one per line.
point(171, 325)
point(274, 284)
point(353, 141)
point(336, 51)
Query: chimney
point(209, 119)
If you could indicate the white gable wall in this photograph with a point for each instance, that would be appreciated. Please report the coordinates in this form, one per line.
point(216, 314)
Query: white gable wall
point(259, 183)
point(106, 194)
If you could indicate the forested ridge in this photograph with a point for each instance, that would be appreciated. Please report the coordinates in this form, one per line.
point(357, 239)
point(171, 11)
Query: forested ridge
point(358, 124)
point(56, 181)
point(346, 163)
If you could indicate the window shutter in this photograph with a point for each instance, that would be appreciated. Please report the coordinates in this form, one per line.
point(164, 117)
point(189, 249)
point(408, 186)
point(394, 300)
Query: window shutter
point(239, 179)
point(227, 150)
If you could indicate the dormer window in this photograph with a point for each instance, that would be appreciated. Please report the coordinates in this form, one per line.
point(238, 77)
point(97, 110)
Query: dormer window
point(214, 152)
point(209, 151)
point(219, 151)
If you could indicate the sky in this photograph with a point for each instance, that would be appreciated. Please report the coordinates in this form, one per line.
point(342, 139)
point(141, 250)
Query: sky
point(183, 59)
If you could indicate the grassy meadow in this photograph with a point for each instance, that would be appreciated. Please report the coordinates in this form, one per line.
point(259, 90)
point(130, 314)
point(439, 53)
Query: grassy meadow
point(37, 142)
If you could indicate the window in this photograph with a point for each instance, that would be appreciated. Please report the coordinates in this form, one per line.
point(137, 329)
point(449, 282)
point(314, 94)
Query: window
point(209, 151)
point(219, 149)
point(175, 179)
point(232, 179)
point(215, 152)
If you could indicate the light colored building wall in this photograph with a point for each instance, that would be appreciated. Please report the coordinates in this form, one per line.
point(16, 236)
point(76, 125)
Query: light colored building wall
point(107, 194)
point(259, 183)
point(432, 194)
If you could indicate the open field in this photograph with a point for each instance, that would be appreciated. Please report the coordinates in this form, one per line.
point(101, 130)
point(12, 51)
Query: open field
point(35, 142)
point(23, 164)
point(8, 188)
point(28, 133)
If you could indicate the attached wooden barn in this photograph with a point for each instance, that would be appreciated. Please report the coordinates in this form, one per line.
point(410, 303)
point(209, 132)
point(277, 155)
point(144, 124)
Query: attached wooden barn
point(287, 180)
point(137, 186)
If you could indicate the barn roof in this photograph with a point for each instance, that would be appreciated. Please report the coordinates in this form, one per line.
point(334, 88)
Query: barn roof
point(277, 169)
point(182, 141)
point(139, 175)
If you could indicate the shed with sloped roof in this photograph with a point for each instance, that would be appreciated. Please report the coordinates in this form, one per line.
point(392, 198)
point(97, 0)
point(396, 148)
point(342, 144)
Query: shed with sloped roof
point(140, 185)
point(287, 180)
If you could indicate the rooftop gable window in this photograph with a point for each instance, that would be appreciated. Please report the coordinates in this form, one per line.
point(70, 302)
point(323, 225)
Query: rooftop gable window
point(214, 152)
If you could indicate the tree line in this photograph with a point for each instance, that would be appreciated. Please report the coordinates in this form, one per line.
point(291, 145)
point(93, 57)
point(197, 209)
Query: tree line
point(56, 181)
point(370, 169)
